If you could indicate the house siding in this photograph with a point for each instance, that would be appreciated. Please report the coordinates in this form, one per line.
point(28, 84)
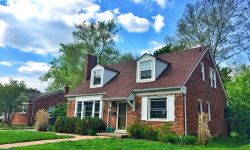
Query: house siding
point(160, 66)
point(199, 89)
point(108, 75)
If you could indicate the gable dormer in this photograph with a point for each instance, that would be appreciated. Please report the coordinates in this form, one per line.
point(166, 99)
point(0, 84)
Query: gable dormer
point(101, 75)
point(149, 68)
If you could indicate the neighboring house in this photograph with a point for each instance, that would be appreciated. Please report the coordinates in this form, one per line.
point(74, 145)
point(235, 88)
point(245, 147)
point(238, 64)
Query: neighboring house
point(172, 87)
point(37, 101)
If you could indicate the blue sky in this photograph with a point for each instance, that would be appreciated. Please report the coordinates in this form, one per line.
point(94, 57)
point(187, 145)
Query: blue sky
point(30, 31)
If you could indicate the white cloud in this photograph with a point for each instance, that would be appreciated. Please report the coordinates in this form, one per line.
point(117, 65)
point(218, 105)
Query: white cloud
point(5, 63)
point(158, 23)
point(153, 45)
point(118, 38)
point(2, 29)
point(138, 1)
point(133, 23)
point(164, 3)
point(34, 68)
point(30, 81)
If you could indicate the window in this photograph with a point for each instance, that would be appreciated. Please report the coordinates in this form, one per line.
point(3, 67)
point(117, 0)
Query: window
point(23, 109)
point(209, 111)
point(50, 111)
point(88, 109)
point(158, 108)
point(97, 77)
point(97, 109)
point(202, 71)
point(199, 106)
point(212, 74)
point(79, 110)
point(146, 69)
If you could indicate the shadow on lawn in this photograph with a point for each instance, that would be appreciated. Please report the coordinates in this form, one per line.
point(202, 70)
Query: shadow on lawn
point(234, 142)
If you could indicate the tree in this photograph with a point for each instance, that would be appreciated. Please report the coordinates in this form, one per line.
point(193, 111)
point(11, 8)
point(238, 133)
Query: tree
point(94, 38)
point(225, 74)
point(238, 90)
point(12, 96)
point(222, 25)
point(60, 110)
point(169, 48)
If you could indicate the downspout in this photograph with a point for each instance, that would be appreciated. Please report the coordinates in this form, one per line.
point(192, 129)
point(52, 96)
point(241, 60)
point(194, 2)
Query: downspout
point(32, 113)
point(184, 92)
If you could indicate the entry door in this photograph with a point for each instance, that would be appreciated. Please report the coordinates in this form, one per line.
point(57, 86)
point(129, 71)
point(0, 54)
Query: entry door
point(121, 116)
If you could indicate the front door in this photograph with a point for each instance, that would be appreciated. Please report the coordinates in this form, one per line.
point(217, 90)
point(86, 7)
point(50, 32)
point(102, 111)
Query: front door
point(121, 116)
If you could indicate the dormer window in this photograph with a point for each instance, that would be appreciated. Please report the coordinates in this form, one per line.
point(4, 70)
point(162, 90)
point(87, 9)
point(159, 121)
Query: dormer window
point(146, 69)
point(97, 77)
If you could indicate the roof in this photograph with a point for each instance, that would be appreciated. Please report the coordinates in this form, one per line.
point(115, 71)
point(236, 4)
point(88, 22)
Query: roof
point(38, 96)
point(182, 64)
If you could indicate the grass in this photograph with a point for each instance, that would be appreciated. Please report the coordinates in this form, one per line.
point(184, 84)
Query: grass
point(12, 126)
point(16, 136)
point(130, 144)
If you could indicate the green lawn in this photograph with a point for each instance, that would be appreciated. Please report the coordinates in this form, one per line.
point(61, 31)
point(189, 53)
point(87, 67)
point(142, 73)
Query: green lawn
point(15, 136)
point(129, 144)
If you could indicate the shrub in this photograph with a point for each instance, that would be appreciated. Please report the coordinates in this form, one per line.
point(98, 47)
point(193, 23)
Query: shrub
point(171, 138)
point(60, 110)
point(66, 125)
point(203, 132)
point(189, 140)
point(165, 129)
point(143, 131)
point(42, 120)
point(91, 132)
point(51, 128)
point(90, 126)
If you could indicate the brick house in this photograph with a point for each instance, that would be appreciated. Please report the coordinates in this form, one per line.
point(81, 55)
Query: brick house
point(172, 87)
point(37, 101)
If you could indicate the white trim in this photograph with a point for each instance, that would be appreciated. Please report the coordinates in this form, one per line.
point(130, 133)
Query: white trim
point(117, 107)
point(195, 66)
point(72, 97)
point(138, 72)
point(203, 71)
point(201, 108)
point(209, 111)
point(212, 75)
point(97, 67)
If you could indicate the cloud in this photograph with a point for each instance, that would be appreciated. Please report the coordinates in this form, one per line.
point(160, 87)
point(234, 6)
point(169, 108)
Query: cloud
point(30, 81)
point(34, 68)
point(158, 23)
point(153, 45)
point(164, 3)
point(5, 63)
point(138, 1)
point(133, 23)
point(40, 26)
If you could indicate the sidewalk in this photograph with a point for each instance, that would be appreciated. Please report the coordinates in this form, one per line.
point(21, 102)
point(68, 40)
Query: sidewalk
point(75, 138)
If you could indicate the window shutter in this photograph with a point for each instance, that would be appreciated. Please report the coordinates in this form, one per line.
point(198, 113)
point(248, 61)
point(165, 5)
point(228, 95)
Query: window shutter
point(144, 110)
point(171, 108)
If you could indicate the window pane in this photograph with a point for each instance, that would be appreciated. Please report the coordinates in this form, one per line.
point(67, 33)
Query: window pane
point(97, 106)
point(158, 108)
point(97, 77)
point(79, 110)
point(145, 65)
point(88, 109)
point(146, 74)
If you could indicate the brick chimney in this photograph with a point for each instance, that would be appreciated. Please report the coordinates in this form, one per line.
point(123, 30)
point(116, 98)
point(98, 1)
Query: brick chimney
point(66, 89)
point(91, 62)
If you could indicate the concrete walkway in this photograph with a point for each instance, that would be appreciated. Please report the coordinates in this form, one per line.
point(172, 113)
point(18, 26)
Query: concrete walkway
point(75, 138)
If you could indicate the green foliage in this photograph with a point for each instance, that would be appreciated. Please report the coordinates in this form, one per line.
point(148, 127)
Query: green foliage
point(170, 138)
point(238, 90)
point(225, 74)
point(94, 38)
point(169, 48)
point(222, 25)
point(60, 110)
point(12, 96)
point(66, 125)
point(189, 140)
point(86, 126)
point(143, 131)
point(165, 129)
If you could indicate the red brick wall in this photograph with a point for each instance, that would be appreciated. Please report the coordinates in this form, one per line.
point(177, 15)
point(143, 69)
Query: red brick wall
point(23, 118)
point(71, 108)
point(199, 89)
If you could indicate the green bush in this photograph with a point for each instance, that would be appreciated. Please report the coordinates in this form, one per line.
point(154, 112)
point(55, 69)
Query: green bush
point(143, 131)
point(60, 110)
point(66, 125)
point(51, 128)
point(91, 132)
point(189, 140)
point(171, 138)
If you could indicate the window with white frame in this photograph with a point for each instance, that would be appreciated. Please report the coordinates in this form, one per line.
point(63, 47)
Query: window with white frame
point(212, 74)
point(51, 110)
point(23, 109)
point(146, 70)
point(158, 108)
point(200, 106)
point(209, 111)
point(88, 109)
point(97, 77)
point(202, 71)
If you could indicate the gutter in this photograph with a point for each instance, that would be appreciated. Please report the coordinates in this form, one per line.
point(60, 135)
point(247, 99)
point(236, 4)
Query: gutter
point(32, 113)
point(69, 96)
point(157, 89)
